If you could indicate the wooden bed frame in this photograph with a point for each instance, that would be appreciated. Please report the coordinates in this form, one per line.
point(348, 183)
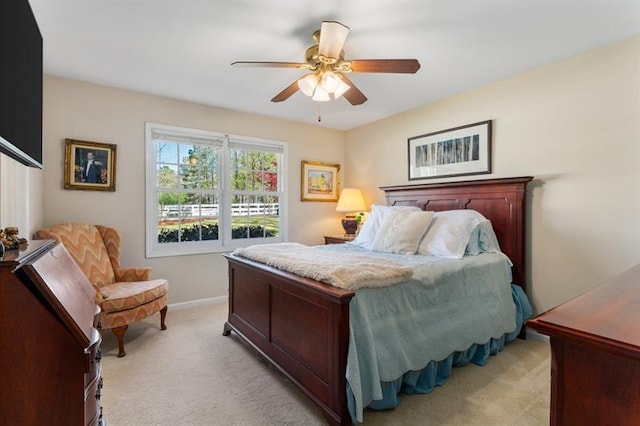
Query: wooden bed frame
point(301, 326)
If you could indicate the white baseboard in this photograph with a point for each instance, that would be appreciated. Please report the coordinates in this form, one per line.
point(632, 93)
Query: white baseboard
point(199, 302)
point(534, 335)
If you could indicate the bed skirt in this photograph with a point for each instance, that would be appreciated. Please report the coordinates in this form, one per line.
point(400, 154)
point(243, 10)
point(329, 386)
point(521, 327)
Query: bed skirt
point(436, 373)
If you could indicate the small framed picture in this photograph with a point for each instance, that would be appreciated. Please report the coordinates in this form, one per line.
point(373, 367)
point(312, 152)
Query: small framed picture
point(464, 150)
point(320, 181)
point(89, 165)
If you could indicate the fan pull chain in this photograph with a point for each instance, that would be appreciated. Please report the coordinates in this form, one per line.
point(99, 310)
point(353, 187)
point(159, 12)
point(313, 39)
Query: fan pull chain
point(319, 115)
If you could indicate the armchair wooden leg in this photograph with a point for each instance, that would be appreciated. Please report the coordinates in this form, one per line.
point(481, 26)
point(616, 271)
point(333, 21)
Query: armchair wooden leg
point(163, 314)
point(119, 332)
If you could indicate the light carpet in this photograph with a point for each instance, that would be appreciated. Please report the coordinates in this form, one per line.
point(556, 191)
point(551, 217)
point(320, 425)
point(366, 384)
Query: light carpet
point(190, 374)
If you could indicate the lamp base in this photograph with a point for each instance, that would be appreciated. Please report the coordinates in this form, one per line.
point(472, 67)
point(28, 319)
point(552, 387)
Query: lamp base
point(350, 226)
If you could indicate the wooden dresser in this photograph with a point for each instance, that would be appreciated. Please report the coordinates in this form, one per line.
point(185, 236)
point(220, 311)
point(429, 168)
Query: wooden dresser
point(595, 350)
point(49, 339)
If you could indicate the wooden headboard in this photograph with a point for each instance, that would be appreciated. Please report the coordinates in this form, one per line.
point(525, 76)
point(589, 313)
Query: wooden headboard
point(502, 201)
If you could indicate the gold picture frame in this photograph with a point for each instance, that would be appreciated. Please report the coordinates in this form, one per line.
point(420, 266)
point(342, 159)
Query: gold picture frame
point(89, 165)
point(319, 181)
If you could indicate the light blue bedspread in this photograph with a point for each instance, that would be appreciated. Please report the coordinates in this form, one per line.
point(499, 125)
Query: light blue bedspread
point(448, 306)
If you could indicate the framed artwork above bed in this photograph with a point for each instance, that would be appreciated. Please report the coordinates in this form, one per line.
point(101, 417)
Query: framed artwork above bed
point(319, 181)
point(460, 151)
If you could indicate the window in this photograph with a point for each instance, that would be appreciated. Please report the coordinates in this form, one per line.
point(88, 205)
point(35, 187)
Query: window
point(210, 192)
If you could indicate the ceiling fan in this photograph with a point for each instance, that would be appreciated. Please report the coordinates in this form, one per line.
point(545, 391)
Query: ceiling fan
point(327, 68)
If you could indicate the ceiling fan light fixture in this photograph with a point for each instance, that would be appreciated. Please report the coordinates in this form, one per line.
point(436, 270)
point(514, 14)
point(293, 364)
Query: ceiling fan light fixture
point(322, 86)
point(308, 84)
point(332, 83)
point(320, 94)
point(327, 68)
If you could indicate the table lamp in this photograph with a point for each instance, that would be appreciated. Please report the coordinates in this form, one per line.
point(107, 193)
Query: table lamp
point(350, 201)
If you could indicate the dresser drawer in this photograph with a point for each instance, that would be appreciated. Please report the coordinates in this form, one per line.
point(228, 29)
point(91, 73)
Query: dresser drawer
point(92, 404)
point(94, 357)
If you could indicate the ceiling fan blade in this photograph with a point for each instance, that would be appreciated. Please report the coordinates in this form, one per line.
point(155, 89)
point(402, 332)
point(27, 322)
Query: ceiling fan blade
point(267, 64)
point(406, 66)
point(353, 95)
point(332, 37)
point(286, 93)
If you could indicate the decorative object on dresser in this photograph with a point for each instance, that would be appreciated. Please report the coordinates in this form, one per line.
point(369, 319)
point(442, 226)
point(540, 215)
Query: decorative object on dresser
point(125, 295)
point(337, 239)
point(319, 181)
point(350, 202)
point(302, 325)
point(461, 151)
point(10, 239)
point(49, 342)
point(89, 165)
point(595, 354)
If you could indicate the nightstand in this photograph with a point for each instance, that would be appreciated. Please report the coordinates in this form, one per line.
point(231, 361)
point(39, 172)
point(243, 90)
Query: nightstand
point(337, 239)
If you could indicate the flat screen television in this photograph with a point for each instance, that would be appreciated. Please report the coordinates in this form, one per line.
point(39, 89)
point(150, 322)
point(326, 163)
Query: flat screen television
point(20, 83)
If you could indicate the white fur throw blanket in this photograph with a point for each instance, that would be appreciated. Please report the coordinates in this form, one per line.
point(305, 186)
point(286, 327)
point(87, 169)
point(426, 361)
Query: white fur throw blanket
point(346, 271)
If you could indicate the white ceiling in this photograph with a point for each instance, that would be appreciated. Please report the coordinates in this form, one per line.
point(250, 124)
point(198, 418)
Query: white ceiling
point(183, 48)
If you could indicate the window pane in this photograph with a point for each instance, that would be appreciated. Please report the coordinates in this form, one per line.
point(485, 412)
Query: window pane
point(270, 180)
point(208, 216)
point(208, 178)
point(187, 217)
point(271, 163)
point(167, 232)
point(166, 152)
point(169, 203)
point(255, 217)
point(254, 171)
point(186, 153)
point(189, 178)
point(238, 180)
point(167, 176)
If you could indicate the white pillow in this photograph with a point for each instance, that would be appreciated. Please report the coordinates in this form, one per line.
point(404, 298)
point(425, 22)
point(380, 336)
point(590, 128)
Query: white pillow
point(401, 231)
point(449, 233)
point(370, 228)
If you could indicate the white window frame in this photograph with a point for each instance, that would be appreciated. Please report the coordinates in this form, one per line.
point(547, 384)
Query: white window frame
point(224, 243)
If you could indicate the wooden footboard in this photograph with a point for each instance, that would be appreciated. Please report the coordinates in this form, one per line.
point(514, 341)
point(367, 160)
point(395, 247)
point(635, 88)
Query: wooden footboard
point(299, 325)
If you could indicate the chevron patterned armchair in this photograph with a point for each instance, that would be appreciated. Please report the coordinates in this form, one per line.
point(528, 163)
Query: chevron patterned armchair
point(125, 295)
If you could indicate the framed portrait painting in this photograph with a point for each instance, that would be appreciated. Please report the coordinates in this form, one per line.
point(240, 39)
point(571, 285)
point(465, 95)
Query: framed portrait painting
point(464, 150)
point(320, 181)
point(89, 165)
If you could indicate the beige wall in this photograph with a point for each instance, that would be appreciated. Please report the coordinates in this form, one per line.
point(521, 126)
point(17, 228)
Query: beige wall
point(575, 127)
point(89, 112)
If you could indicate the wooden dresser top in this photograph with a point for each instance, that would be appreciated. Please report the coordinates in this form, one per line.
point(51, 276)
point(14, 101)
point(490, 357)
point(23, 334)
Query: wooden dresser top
point(610, 313)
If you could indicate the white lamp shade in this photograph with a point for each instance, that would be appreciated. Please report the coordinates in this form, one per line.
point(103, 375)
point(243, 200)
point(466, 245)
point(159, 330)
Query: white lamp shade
point(351, 201)
point(308, 83)
point(320, 94)
point(330, 81)
point(341, 89)
point(334, 84)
